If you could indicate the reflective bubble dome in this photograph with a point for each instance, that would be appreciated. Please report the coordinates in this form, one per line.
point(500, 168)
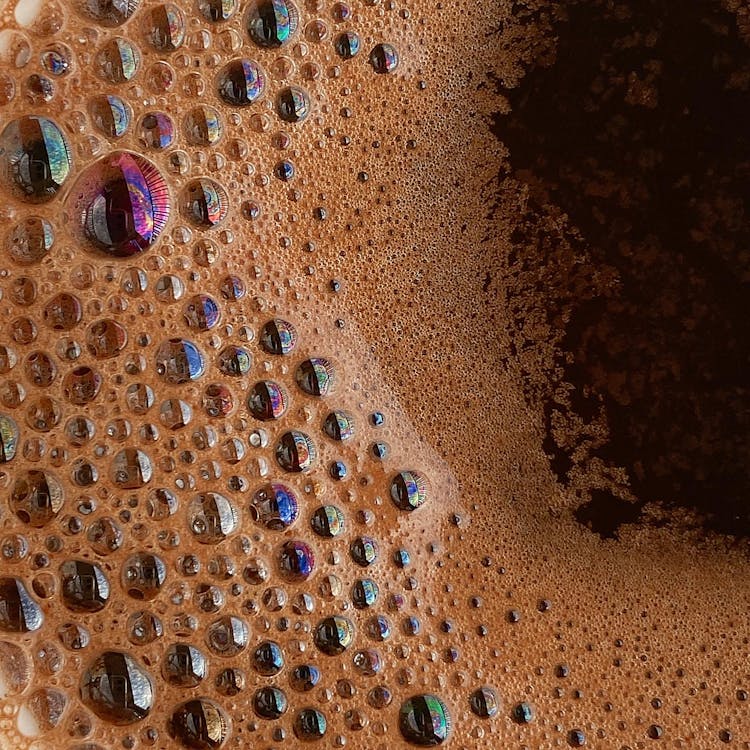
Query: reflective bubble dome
point(328, 521)
point(110, 114)
point(184, 665)
point(334, 635)
point(203, 126)
point(19, 612)
point(165, 27)
point(118, 60)
point(202, 312)
point(8, 439)
point(424, 721)
point(30, 240)
point(409, 490)
point(117, 688)
point(295, 452)
point(384, 58)
point(275, 506)
point(278, 337)
point(296, 561)
point(484, 703)
point(339, 425)
point(241, 82)
point(107, 12)
point(235, 361)
point(199, 723)
point(122, 202)
point(267, 401)
point(37, 497)
point(83, 585)
point(309, 725)
point(227, 636)
point(179, 361)
point(216, 11)
point(347, 44)
point(270, 703)
point(268, 659)
point(212, 517)
point(315, 376)
point(35, 159)
point(143, 575)
point(204, 202)
point(293, 104)
point(272, 23)
point(156, 130)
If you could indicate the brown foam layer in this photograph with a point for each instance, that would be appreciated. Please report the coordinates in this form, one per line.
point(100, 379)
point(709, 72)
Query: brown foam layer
point(610, 639)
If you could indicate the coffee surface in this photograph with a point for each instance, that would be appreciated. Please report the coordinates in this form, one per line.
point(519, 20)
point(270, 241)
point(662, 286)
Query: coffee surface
point(294, 446)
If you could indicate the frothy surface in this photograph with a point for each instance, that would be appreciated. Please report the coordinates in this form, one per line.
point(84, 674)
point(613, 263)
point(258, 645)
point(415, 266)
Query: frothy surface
point(270, 474)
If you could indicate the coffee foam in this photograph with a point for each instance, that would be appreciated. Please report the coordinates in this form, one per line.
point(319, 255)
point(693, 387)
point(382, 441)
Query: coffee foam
point(505, 585)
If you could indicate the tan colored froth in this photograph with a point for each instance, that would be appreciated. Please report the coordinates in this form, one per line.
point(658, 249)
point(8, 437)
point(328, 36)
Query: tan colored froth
point(268, 475)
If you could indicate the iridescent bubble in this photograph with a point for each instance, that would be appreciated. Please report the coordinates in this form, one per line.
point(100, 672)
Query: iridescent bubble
point(293, 104)
point(82, 385)
point(384, 58)
point(73, 636)
point(35, 159)
point(8, 439)
point(30, 240)
point(241, 82)
point(328, 521)
point(204, 202)
point(296, 561)
point(409, 490)
point(274, 506)
point(309, 725)
point(203, 126)
point(267, 401)
point(118, 60)
point(117, 688)
point(295, 452)
point(202, 312)
point(339, 425)
point(199, 723)
point(364, 593)
point(122, 202)
point(364, 551)
point(268, 659)
point(278, 337)
point(63, 312)
point(212, 518)
point(216, 11)
point(424, 720)
point(272, 23)
point(218, 400)
point(227, 636)
point(184, 665)
point(523, 713)
point(347, 44)
point(57, 59)
point(131, 469)
point(333, 635)
point(110, 114)
point(83, 586)
point(165, 27)
point(156, 130)
point(179, 361)
point(37, 497)
point(315, 376)
point(379, 628)
point(233, 288)
point(19, 612)
point(270, 703)
point(235, 361)
point(143, 575)
point(484, 703)
point(284, 170)
point(106, 339)
point(108, 12)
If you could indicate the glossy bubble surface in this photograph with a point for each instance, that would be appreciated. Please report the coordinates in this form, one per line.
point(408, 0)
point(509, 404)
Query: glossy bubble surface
point(35, 158)
point(123, 203)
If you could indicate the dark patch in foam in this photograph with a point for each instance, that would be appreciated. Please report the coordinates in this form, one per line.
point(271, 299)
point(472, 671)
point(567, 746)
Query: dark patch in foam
point(659, 194)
